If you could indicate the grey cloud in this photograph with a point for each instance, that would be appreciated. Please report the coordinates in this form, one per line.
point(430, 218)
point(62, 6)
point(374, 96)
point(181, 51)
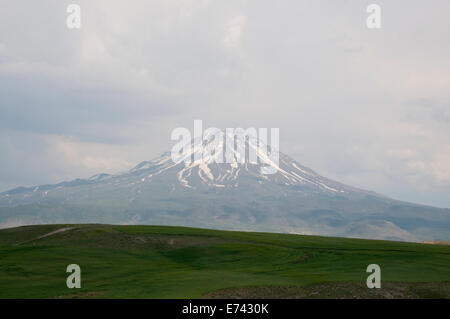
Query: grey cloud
point(54, 105)
point(344, 97)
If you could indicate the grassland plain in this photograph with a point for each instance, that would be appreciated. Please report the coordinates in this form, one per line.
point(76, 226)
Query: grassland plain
point(178, 262)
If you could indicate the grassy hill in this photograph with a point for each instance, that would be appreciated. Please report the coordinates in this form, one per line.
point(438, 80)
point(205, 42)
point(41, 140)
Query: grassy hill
point(177, 262)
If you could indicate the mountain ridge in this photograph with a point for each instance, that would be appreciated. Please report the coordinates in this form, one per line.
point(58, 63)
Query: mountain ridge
point(233, 196)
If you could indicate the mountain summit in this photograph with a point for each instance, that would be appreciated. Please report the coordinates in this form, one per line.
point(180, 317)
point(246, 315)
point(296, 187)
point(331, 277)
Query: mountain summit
point(235, 196)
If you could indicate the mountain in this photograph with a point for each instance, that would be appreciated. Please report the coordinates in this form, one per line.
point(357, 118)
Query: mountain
point(233, 196)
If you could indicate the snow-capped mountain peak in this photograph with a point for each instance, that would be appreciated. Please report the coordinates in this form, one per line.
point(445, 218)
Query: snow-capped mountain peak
point(210, 192)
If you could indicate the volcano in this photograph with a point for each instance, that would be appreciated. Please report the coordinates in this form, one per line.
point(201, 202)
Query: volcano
point(232, 196)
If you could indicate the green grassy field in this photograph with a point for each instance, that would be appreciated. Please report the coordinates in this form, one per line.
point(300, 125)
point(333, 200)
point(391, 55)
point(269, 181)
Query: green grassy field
point(176, 262)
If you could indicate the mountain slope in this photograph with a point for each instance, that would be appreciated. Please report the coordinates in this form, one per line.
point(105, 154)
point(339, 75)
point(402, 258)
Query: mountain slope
point(226, 196)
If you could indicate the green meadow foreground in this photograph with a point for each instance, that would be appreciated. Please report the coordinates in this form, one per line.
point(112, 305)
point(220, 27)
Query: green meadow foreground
point(177, 262)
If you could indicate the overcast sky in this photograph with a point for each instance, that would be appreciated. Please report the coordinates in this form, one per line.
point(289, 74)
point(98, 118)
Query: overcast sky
point(369, 108)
